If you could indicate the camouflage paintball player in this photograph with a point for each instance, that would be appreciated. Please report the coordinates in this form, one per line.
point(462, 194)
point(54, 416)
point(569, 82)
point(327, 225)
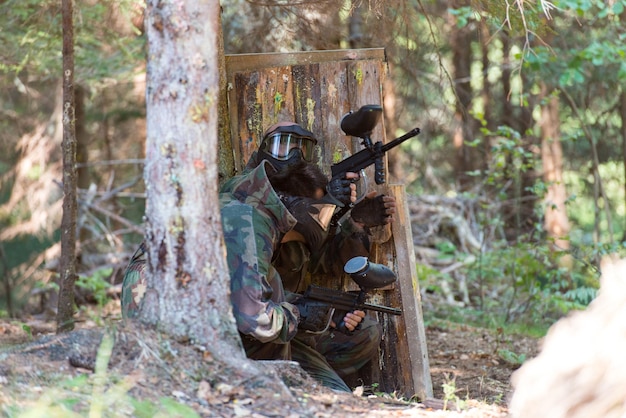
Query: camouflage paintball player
point(332, 355)
point(266, 321)
point(255, 219)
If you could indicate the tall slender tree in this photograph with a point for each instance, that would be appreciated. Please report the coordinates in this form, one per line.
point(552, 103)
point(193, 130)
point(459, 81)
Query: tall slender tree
point(556, 221)
point(65, 313)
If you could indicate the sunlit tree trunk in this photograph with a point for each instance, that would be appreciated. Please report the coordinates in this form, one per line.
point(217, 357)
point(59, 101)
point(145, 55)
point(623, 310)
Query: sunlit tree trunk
point(556, 219)
point(188, 293)
point(486, 92)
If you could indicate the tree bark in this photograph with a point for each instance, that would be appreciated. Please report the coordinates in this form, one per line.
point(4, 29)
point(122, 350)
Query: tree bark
point(188, 295)
point(65, 313)
point(556, 220)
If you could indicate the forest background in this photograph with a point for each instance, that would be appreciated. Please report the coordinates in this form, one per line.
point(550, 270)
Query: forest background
point(516, 184)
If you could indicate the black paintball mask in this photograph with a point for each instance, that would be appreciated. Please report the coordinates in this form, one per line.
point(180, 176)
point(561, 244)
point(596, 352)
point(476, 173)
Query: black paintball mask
point(286, 144)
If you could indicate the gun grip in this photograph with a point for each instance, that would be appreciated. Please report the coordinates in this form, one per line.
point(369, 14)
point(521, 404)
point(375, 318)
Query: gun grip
point(340, 325)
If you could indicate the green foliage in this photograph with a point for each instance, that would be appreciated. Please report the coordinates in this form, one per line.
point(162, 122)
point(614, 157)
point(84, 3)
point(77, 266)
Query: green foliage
point(97, 284)
point(525, 283)
point(450, 395)
point(518, 287)
point(28, 330)
point(34, 28)
point(464, 15)
point(511, 357)
point(144, 409)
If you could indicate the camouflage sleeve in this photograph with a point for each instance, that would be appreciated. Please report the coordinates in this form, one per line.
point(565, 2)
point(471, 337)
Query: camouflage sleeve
point(134, 284)
point(257, 295)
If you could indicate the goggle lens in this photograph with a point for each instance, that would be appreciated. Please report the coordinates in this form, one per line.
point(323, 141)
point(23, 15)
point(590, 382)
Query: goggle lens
point(279, 145)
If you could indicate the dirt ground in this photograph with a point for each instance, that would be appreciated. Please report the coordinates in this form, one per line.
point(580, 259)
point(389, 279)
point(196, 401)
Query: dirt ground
point(39, 369)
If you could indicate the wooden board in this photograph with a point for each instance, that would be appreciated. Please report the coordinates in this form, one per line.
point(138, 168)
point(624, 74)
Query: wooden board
point(316, 89)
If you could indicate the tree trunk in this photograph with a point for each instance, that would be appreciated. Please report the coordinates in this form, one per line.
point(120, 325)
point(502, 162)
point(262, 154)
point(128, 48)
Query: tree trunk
point(355, 26)
point(188, 294)
point(461, 43)
point(486, 92)
point(65, 313)
point(556, 220)
point(519, 216)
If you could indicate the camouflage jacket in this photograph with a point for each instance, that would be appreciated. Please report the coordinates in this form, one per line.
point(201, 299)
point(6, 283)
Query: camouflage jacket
point(254, 221)
point(134, 285)
point(295, 263)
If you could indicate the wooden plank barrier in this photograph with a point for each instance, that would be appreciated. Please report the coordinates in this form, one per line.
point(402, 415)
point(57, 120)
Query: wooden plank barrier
point(315, 89)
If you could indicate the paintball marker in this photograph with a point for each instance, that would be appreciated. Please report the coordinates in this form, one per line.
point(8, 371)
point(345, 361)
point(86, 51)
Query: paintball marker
point(361, 124)
point(318, 305)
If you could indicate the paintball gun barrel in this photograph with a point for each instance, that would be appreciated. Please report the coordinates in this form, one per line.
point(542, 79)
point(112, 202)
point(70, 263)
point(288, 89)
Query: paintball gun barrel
point(345, 301)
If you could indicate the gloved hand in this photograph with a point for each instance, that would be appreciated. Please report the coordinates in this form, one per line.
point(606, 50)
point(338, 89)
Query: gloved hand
point(309, 222)
point(315, 317)
point(343, 190)
point(374, 210)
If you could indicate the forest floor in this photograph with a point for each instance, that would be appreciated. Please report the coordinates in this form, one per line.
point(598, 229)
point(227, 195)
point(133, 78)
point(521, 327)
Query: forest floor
point(50, 374)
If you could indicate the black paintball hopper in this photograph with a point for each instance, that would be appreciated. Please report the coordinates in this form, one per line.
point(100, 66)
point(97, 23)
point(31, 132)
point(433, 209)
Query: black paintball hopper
point(362, 122)
point(369, 275)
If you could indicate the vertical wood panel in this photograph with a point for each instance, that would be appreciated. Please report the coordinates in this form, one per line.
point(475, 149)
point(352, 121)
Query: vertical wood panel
point(275, 95)
point(411, 332)
point(246, 115)
point(306, 92)
point(307, 97)
point(334, 104)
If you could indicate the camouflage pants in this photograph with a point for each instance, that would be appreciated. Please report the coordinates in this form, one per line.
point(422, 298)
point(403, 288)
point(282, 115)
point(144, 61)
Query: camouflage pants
point(327, 357)
point(332, 356)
